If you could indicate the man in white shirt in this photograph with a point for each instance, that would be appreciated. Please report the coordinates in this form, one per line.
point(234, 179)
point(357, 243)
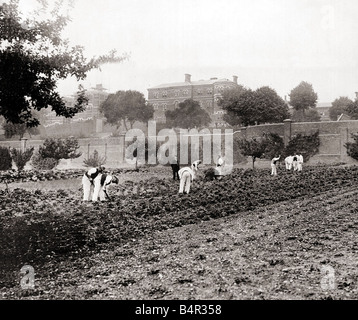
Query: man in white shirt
point(220, 161)
point(101, 186)
point(299, 162)
point(186, 176)
point(88, 180)
point(288, 162)
point(274, 166)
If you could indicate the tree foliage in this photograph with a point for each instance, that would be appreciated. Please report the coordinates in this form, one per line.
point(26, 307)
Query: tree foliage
point(305, 144)
point(5, 159)
point(60, 148)
point(21, 157)
point(126, 107)
point(18, 129)
point(274, 145)
point(352, 147)
point(352, 109)
point(247, 107)
point(94, 160)
point(338, 107)
point(303, 97)
point(309, 115)
point(188, 115)
point(34, 57)
point(254, 148)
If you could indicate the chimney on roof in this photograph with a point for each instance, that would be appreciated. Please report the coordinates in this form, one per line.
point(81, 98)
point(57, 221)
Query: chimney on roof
point(187, 77)
point(234, 78)
point(213, 78)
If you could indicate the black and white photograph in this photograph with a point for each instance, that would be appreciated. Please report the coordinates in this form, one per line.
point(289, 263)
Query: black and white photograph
point(154, 151)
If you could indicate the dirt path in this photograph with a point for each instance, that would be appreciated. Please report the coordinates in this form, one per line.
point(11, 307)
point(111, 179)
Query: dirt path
point(279, 252)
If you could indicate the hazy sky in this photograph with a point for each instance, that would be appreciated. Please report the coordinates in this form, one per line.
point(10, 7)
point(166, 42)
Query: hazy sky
point(276, 43)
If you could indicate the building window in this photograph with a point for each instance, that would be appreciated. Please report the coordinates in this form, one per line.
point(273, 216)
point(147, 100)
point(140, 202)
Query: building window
point(186, 92)
point(156, 95)
point(164, 106)
point(176, 104)
point(176, 93)
point(199, 91)
point(209, 91)
point(164, 94)
point(155, 106)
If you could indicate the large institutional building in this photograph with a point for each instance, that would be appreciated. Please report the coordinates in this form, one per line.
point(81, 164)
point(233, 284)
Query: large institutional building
point(207, 92)
point(95, 97)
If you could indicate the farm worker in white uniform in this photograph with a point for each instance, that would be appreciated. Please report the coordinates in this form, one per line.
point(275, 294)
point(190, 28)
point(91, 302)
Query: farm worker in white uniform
point(101, 185)
point(220, 161)
point(288, 162)
point(186, 176)
point(299, 162)
point(274, 166)
point(219, 164)
point(88, 181)
point(295, 162)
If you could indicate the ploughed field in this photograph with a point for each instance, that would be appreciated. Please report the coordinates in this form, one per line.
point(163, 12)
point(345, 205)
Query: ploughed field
point(246, 236)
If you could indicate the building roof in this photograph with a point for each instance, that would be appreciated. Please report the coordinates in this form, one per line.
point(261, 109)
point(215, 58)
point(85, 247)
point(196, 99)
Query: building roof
point(191, 83)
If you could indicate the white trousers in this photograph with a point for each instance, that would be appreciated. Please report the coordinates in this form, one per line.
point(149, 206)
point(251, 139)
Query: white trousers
point(185, 182)
point(295, 165)
point(97, 189)
point(273, 170)
point(299, 166)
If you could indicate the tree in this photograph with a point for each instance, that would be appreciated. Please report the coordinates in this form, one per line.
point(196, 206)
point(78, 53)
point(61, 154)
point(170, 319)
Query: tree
point(269, 106)
point(60, 149)
point(247, 107)
point(126, 107)
point(352, 110)
point(14, 129)
point(188, 115)
point(352, 147)
point(274, 145)
point(5, 158)
point(338, 107)
point(305, 144)
point(227, 101)
point(254, 148)
point(309, 115)
point(303, 97)
point(34, 57)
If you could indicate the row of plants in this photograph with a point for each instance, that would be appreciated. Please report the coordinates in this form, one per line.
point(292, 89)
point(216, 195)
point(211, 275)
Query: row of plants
point(38, 225)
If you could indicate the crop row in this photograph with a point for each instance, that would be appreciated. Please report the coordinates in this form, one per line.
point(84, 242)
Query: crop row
point(35, 225)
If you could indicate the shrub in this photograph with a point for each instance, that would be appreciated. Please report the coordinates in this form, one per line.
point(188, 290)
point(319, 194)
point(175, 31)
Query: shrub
point(352, 147)
point(60, 148)
point(40, 163)
point(5, 159)
point(21, 157)
point(307, 145)
point(95, 160)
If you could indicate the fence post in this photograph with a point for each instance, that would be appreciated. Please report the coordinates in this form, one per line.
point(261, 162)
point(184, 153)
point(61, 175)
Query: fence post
point(287, 131)
point(23, 144)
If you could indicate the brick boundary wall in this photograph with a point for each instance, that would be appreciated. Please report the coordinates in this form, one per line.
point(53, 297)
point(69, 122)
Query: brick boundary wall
point(333, 135)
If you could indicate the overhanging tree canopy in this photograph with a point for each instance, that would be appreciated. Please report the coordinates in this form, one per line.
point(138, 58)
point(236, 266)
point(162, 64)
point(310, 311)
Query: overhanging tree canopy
point(33, 58)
